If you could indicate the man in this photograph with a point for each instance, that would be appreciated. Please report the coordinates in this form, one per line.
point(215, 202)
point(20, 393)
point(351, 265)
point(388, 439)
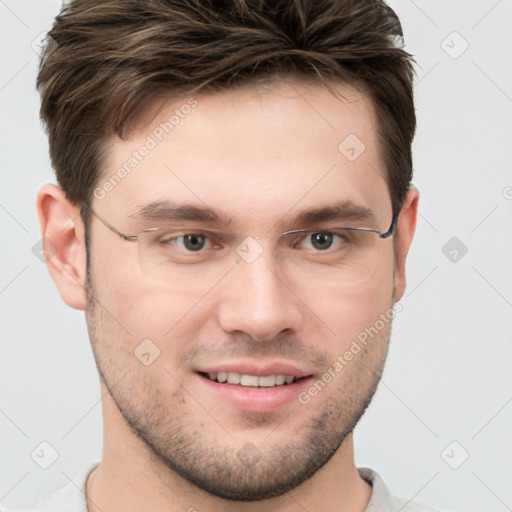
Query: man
point(234, 213)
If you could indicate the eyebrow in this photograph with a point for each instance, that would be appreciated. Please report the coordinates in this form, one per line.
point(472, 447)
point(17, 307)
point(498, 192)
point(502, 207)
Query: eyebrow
point(167, 210)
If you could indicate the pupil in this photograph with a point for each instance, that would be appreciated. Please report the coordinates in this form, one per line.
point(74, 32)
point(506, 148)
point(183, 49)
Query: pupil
point(321, 238)
point(192, 240)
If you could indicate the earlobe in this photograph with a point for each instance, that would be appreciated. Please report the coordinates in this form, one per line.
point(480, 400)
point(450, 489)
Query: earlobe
point(63, 244)
point(404, 235)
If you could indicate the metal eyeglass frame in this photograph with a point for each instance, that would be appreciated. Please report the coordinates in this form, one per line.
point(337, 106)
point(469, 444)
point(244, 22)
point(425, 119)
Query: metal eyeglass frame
point(134, 238)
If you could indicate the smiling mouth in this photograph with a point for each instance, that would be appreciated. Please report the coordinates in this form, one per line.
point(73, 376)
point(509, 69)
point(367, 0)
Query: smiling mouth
point(243, 379)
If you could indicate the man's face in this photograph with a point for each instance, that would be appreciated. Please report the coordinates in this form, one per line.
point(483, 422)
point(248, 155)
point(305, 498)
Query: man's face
point(260, 156)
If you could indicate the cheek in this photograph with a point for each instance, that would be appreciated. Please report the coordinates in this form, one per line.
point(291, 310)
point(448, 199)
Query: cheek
point(121, 290)
point(339, 314)
point(347, 313)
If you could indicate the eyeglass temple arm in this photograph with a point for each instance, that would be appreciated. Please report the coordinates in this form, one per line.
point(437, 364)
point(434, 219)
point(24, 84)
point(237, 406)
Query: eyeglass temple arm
point(129, 238)
point(392, 227)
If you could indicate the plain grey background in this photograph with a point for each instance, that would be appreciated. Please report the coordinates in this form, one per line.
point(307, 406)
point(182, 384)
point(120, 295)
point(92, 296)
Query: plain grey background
point(439, 427)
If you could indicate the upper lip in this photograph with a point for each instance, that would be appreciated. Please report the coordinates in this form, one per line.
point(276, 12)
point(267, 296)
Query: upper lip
point(260, 370)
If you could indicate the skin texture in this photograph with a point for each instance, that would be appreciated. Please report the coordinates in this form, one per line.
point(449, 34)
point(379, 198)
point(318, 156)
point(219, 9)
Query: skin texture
point(258, 153)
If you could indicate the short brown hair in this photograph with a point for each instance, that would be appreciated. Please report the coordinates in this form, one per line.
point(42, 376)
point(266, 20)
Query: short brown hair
point(114, 55)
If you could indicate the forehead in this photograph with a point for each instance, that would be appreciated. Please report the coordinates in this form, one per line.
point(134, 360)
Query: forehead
point(256, 152)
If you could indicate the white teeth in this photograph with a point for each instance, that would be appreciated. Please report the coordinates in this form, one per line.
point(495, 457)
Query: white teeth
point(280, 379)
point(267, 381)
point(251, 380)
point(233, 378)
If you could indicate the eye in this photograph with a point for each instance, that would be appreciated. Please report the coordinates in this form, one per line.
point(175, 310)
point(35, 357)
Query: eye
point(191, 242)
point(324, 240)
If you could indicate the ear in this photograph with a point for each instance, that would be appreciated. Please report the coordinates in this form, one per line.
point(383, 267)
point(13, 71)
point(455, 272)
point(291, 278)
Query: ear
point(62, 233)
point(404, 235)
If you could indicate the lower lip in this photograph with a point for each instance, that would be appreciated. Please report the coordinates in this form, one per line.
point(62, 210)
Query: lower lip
point(256, 399)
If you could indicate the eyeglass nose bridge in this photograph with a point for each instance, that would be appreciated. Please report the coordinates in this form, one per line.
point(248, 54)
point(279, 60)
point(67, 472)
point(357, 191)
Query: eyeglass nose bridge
point(249, 250)
point(265, 237)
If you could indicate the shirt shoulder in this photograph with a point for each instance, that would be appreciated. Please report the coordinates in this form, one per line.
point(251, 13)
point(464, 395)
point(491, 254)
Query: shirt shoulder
point(68, 498)
point(382, 500)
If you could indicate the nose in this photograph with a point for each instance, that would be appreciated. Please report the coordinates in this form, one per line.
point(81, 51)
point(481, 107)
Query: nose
point(256, 298)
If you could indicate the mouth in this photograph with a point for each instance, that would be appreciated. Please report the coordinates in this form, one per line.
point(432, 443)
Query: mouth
point(247, 380)
point(253, 389)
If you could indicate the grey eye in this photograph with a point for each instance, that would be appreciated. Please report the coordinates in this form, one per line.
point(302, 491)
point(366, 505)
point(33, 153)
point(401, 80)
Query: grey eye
point(194, 242)
point(322, 240)
point(190, 242)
